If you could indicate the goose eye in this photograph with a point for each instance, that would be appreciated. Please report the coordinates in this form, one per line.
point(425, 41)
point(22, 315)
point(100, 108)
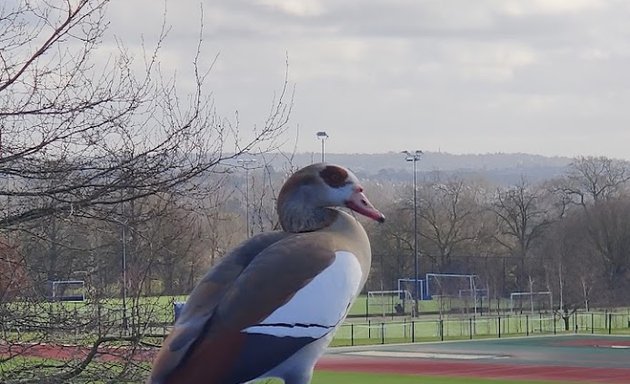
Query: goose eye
point(334, 176)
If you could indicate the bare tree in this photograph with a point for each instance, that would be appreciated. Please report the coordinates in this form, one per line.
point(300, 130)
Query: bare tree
point(78, 136)
point(609, 229)
point(595, 179)
point(566, 261)
point(392, 247)
point(599, 186)
point(84, 144)
point(14, 278)
point(522, 219)
point(448, 210)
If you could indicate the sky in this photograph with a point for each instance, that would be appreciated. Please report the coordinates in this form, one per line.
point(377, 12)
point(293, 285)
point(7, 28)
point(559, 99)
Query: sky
point(549, 77)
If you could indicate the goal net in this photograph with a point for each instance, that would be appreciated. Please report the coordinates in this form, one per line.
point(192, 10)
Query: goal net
point(533, 302)
point(68, 290)
point(415, 287)
point(454, 293)
point(390, 303)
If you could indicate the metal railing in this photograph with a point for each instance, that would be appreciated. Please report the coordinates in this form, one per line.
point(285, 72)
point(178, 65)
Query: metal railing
point(458, 328)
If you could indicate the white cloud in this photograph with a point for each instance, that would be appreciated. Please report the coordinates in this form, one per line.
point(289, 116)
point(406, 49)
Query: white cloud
point(296, 7)
point(550, 7)
point(460, 75)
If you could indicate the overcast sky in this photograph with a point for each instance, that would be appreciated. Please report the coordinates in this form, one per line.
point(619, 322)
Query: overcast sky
point(547, 77)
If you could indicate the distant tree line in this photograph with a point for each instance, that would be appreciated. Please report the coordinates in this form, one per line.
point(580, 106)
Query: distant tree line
point(569, 236)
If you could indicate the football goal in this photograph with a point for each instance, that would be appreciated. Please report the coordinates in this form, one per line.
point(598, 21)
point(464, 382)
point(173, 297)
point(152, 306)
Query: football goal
point(478, 292)
point(415, 287)
point(68, 290)
point(531, 301)
point(390, 303)
point(454, 293)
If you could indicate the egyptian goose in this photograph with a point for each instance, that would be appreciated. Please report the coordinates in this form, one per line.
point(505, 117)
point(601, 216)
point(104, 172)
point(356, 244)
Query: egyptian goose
point(271, 306)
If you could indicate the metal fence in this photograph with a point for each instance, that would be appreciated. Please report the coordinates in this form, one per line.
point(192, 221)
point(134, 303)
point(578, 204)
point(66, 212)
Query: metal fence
point(457, 328)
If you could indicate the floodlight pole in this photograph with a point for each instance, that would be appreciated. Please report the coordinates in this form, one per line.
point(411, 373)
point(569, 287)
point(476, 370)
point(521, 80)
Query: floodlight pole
point(415, 157)
point(322, 135)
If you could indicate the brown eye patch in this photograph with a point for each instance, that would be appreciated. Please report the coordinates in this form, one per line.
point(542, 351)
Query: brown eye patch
point(334, 176)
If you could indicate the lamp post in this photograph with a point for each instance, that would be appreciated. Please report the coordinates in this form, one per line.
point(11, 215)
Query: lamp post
point(245, 163)
point(322, 135)
point(414, 157)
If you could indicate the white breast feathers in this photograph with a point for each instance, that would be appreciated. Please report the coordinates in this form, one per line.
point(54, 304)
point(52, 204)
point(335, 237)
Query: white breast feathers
point(320, 306)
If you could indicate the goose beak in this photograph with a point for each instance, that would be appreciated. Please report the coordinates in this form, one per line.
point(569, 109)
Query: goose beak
point(359, 203)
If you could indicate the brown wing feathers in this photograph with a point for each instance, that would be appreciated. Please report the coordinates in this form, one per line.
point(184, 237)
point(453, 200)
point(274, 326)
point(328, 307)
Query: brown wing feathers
point(253, 296)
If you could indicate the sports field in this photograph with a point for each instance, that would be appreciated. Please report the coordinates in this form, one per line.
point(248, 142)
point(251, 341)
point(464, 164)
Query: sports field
point(548, 359)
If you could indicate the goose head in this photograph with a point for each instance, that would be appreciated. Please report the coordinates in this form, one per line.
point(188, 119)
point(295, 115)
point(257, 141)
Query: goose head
point(305, 199)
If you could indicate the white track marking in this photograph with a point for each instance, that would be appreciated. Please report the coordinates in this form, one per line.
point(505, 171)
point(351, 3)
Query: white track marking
point(426, 355)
